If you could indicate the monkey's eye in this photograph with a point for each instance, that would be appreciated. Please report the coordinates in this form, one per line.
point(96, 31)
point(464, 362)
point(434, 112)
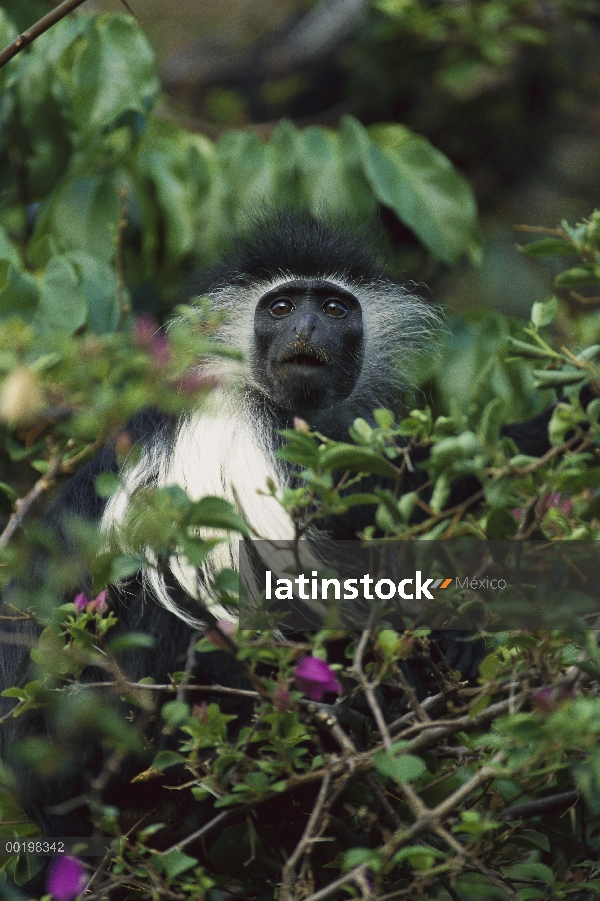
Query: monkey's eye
point(281, 307)
point(335, 308)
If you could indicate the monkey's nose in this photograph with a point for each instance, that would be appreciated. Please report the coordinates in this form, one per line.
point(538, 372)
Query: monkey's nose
point(306, 325)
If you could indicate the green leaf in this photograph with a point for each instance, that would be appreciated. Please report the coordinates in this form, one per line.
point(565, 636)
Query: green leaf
point(8, 251)
point(490, 666)
point(124, 566)
point(402, 769)
point(527, 838)
point(130, 642)
point(166, 158)
point(384, 418)
point(501, 524)
point(10, 492)
point(175, 712)
point(359, 499)
point(421, 186)
point(419, 856)
point(247, 176)
point(227, 580)
point(174, 863)
point(544, 313)
point(577, 277)
point(113, 73)
point(499, 493)
point(531, 870)
point(331, 169)
point(547, 247)
point(283, 158)
point(356, 856)
point(8, 32)
point(84, 215)
point(491, 421)
point(107, 483)
point(217, 513)
point(557, 378)
point(99, 286)
point(299, 453)
point(531, 351)
point(165, 759)
point(19, 291)
point(62, 307)
point(358, 459)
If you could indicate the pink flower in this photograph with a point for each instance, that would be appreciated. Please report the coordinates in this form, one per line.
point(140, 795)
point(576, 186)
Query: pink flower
point(313, 677)
point(147, 336)
point(554, 499)
point(66, 879)
point(200, 712)
point(195, 380)
point(159, 349)
point(226, 627)
point(99, 604)
point(549, 698)
point(144, 329)
point(80, 602)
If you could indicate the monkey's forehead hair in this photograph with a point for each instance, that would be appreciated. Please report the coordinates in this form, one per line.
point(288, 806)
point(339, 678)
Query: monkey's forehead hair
point(285, 242)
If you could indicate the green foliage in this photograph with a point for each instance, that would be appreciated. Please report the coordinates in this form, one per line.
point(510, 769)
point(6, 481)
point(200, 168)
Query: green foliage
point(126, 197)
point(101, 195)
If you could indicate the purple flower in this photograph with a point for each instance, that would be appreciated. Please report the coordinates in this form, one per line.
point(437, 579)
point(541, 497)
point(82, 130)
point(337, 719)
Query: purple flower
point(313, 677)
point(80, 602)
point(548, 698)
point(67, 879)
point(99, 604)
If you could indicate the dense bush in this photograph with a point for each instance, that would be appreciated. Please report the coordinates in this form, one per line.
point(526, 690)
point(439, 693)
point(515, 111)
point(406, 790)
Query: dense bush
point(483, 790)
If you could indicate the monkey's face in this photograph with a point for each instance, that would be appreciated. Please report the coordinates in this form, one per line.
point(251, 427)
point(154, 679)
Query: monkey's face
point(308, 344)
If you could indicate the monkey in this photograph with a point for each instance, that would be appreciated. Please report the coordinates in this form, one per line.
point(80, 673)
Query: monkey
point(322, 327)
point(311, 309)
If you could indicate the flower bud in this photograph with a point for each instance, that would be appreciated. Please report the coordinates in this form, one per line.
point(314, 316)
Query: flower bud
point(21, 397)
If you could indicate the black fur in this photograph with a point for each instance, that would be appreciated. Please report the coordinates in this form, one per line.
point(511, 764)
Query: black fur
point(301, 243)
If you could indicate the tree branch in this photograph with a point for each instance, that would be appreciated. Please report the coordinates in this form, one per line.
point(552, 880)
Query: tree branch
point(54, 16)
point(25, 503)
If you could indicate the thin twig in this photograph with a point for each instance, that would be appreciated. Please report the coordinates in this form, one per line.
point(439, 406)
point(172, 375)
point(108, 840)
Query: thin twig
point(287, 876)
point(24, 504)
point(46, 22)
point(356, 875)
point(142, 686)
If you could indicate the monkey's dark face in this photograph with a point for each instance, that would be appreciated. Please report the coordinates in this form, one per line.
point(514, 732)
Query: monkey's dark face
point(308, 347)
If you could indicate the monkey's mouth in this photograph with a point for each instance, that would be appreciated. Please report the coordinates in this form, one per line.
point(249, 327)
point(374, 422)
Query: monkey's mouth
point(306, 357)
